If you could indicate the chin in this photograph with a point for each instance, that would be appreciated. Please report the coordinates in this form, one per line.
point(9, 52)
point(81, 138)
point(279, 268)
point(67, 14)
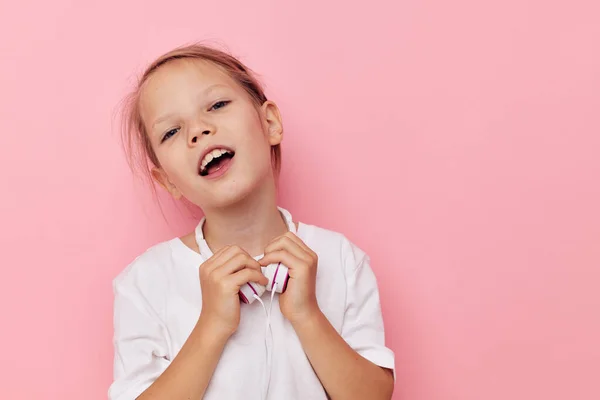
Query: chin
point(237, 185)
point(231, 192)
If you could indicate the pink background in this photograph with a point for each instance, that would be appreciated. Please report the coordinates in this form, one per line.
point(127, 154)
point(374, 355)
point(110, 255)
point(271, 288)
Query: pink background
point(456, 142)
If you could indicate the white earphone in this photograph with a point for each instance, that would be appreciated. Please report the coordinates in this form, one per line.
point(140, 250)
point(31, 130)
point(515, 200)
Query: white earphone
point(278, 279)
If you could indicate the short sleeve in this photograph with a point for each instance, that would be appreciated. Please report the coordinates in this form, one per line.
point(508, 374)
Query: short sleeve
point(362, 327)
point(140, 349)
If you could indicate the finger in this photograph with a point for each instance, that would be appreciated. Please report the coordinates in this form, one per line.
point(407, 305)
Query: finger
point(286, 243)
point(296, 239)
point(207, 263)
point(212, 262)
point(227, 254)
point(293, 263)
point(235, 264)
point(246, 275)
point(220, 252)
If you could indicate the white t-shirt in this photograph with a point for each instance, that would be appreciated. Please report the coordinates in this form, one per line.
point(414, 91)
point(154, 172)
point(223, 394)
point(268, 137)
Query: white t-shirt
point(158, 302)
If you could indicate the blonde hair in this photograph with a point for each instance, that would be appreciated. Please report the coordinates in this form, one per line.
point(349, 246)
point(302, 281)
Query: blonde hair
point(136, 143)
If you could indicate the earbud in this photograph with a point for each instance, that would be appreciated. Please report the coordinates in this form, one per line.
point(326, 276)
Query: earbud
point(278, 277)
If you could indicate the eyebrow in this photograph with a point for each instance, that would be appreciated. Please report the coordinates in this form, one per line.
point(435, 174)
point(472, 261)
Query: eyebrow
point(205, 92)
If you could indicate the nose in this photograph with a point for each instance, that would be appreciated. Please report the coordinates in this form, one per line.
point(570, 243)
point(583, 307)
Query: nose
point(200, 129)
point(194, 137)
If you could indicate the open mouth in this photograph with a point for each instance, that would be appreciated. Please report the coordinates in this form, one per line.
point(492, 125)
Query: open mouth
point(215, 160)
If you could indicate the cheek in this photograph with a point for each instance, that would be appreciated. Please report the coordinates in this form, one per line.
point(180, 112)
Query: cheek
point(251, 124)
point(175, 166)
point(257, 147)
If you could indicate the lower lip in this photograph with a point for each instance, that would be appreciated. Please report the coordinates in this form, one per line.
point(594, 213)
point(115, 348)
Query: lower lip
point(218, 173)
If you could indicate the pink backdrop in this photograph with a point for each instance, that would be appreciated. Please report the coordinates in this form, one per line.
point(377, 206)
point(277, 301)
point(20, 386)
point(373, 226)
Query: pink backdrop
point(457, 142)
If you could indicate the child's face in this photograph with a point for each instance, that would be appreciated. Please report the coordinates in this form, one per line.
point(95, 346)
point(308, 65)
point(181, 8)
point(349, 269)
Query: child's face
point(189, 106)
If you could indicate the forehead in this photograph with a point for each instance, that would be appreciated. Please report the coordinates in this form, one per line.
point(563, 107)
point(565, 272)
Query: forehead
point(182, 78)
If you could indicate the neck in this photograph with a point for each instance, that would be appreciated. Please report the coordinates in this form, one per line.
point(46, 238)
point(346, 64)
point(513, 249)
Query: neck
point(251, 224)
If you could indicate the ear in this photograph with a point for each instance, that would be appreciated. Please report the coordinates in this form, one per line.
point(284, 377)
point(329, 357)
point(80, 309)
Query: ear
point(274, 125)
point(160, 176)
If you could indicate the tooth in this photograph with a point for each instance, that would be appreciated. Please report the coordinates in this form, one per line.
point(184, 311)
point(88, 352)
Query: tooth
point(216, 153)
point(209, 157)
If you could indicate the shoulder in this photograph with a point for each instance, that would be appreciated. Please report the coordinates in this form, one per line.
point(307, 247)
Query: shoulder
point(333, 245)
point(147, 270)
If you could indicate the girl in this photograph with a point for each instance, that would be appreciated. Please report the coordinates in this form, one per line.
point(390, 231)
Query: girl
point(203, 124)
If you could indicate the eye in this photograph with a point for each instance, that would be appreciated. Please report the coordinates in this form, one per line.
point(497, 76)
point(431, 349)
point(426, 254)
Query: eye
point(170, 133)
point(219, 104)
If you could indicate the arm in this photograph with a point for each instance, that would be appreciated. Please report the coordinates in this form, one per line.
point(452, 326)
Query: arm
point(143, 369)
point(187, 377)
point(340, 360)
point(343, 372)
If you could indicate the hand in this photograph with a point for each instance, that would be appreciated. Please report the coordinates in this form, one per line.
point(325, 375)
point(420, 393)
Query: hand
point(221, 277)
point(299, 300)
